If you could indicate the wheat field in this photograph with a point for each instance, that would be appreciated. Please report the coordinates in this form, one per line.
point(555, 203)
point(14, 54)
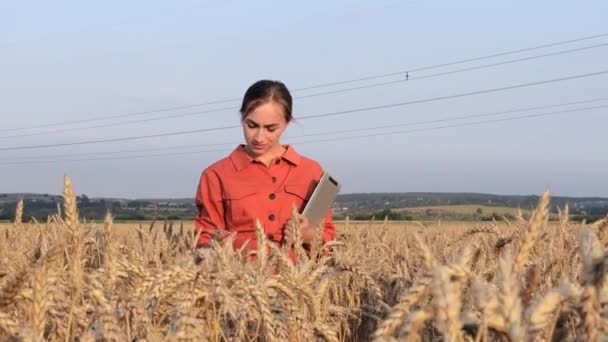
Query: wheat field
point(527, 280)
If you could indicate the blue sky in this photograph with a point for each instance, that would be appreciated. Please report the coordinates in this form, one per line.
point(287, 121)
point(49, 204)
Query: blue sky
point(70, 60)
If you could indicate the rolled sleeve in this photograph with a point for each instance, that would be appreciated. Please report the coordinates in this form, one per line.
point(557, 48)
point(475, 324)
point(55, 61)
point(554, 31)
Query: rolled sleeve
point(210, 207)
point(329, 230)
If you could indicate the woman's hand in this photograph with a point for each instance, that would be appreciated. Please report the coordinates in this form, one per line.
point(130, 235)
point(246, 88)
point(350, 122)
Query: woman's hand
point(220, 235)
point(307, 232)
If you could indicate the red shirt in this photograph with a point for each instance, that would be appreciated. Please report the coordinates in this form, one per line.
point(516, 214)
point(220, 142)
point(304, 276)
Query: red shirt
point(236, 190)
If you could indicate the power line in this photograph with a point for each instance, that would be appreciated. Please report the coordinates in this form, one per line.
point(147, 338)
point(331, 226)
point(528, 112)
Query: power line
point(439, 98)
point(451, 72)
point(474, 123)
point(454, 118)
point(117, 116)
point(402, 72)
point(167, 148)
point(119, 123)
point(451, 118)
point(110, 158)
point(350, 111)
point(181, 115)
point(454, 125)
point(88, 142)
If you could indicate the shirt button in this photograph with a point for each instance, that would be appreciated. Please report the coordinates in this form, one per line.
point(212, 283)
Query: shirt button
point(272, 196)
point(271, 217)
point(274, 179)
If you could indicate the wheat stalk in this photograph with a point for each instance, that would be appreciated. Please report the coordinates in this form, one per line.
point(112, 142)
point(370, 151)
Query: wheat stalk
point(510, 302)
point(40, 300)
point(189, 329)
point(591, 314)
point(111, 329)
point(69, 205)
point(326, 332)
point(539, 216)
point(262, 244)
point(415, 322)
point(129, 283)
point(544, 312)
point(263, 308)
point(8, 325)
point(19, 213)
point(108, 221)
point(446, 304)
point(564, 216)
point(424, 249)
point(10, 287)
point(294, 234)
point(395, 319)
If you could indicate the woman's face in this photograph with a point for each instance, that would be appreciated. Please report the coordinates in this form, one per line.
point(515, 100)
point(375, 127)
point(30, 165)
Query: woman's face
point(262, 128)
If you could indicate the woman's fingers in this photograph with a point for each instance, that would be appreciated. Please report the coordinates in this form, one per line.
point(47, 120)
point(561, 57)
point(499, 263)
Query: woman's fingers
point(304, 222)
point(221, 234)
point(307, 233)
point(201, 253)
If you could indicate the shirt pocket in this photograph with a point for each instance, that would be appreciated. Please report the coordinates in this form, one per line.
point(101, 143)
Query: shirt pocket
point(240, 206)
point(297, 194)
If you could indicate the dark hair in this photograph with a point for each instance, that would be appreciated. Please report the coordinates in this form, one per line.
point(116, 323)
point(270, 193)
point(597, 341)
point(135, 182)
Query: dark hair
point(264, 91)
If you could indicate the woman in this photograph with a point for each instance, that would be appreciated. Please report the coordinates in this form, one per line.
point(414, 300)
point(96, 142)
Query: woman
point(260, 179)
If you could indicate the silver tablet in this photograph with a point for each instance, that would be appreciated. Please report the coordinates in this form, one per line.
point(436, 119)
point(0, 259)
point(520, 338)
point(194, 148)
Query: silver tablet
point(321, 199)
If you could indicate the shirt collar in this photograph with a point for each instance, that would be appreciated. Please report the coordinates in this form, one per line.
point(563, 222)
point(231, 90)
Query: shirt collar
point(291, 155)
point(241, 159)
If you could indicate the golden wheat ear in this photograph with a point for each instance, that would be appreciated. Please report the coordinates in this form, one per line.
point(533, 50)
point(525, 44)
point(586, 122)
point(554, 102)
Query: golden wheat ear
point(69, 204)
point(262, 245)
point(40, 300)
point(537, 221)
point(109, 219)
point(19, 213)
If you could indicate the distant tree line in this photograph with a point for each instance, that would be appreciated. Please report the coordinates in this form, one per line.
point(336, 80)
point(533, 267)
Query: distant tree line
point(96, 209)
point(356, 206)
